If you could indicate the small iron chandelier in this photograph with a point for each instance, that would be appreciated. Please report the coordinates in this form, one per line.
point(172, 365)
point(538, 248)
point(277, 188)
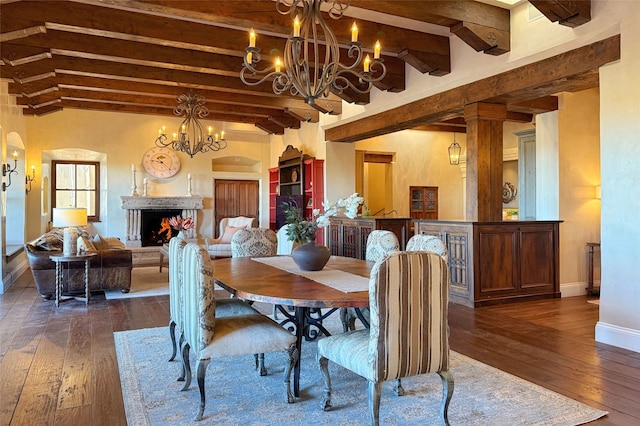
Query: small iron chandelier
point(454, 152)
point(303, 71)
point(191, 139)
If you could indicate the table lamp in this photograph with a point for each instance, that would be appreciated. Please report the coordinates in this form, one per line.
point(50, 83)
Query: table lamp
point(69, 219)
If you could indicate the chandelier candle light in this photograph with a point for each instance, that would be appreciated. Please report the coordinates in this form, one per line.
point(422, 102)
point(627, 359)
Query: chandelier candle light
point(134, 192)
point(303, 72)
point(191, 139)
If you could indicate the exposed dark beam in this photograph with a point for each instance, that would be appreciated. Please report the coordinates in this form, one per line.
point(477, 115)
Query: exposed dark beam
point(527, 82)
point(569, 13)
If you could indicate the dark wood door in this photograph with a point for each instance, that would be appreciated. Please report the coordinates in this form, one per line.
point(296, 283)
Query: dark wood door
point(235, 198)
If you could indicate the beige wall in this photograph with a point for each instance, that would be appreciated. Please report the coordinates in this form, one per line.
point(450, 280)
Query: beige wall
point(579, 153)
point(422, 160)
point(124, 138)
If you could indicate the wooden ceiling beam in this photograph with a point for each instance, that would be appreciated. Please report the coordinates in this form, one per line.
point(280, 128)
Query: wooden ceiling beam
point(285, 121)
point(425, 62)
point(270, 127)
point(569, 13)
point(482, 26)
point(163, 24)
point(521, 83)
point(536, 106)
point(483, 38)
point(441, 128)
point(124, 86)
point(265, 19)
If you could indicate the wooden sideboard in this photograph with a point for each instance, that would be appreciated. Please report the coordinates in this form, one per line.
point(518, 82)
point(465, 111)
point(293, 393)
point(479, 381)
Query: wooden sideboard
point(348, 237)
point(498, 262)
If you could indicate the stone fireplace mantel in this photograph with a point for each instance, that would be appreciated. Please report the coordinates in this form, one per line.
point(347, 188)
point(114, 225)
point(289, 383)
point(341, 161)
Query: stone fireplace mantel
point(135, 205)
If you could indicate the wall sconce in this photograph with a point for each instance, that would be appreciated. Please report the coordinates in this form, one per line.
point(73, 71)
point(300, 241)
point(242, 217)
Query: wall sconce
point(29, 179)
point(599, 192)
point(454, 152)
point(7, 170)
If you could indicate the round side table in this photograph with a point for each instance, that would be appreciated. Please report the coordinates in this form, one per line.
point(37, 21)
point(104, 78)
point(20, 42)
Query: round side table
point(60, 259)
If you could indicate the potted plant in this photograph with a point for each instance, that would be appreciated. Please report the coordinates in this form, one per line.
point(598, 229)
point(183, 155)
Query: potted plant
point(310, 256)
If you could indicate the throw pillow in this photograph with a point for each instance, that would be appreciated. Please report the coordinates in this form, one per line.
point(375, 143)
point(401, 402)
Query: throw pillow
point(229, 231)
point(100, 242)
point(114, 242)
point(51, 240)
point(86, 245)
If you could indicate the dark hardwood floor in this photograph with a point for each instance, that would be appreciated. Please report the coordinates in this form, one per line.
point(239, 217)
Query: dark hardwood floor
point(58, 366)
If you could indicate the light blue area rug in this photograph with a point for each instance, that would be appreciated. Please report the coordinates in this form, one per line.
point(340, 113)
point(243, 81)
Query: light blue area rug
point(237, 395)
point(146, 281)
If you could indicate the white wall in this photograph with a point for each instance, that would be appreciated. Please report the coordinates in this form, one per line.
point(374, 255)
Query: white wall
point(620, 171)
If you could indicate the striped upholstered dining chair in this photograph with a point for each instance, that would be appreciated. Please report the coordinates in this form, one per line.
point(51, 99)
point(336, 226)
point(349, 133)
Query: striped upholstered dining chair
point(225, 307)
point(380, 243)
point(211, 337)
point(408, 336)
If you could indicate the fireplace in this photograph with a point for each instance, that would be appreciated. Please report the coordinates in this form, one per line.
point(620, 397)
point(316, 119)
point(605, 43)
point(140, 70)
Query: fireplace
point(155, 227)
point(145, 218)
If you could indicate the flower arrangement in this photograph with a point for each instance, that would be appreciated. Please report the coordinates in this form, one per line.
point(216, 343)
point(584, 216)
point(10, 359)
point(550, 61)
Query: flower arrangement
point(180, 224)
point(302, 230)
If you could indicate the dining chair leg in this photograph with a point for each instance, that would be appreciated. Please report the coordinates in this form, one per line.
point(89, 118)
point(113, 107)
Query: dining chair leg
point(323, 363)
point(260, 364)
point(172, 334)
point(183, 371)
point(447, 392)
point(201, 371)
point(187, 367)
point(375, 389)
point(294, 358)
point(397, 388)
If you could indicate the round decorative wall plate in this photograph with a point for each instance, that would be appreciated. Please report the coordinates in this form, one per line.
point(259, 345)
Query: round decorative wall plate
point(294, 176)
point(161, 162)
point(508, 192)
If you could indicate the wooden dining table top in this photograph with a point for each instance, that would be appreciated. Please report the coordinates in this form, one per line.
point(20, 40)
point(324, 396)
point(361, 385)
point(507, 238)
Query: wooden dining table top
point(260, 282)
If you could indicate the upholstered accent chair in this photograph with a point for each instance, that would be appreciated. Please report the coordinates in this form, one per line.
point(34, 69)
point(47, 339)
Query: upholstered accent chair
point(408, 300)
point(423, 242)
point(379, 244)
point(212, 338)
point(254, 242)
point(224, 307)
point(221, 246)
point(285, 245)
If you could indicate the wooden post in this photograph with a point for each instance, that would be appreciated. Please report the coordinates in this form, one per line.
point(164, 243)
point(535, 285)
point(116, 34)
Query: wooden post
point(484, 161)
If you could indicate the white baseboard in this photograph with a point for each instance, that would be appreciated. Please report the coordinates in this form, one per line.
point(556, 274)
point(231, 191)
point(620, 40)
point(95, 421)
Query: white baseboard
point(621, 337)
point(17, 269)
point(573, 289)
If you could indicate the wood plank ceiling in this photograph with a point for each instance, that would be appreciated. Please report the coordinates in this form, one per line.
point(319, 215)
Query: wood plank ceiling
point(137, 56)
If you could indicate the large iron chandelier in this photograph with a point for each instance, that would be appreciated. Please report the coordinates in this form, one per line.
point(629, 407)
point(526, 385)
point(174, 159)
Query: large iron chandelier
point(190, 139)
point(311, 65)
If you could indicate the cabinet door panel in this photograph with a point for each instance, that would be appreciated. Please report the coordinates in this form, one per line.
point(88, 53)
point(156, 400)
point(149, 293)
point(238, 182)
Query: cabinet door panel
point(497, 262)
point(536, 248)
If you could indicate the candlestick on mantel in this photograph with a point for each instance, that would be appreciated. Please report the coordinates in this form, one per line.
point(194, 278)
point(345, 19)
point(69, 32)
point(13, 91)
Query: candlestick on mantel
point(134, 193)
point(189, 194)
point(144, 187)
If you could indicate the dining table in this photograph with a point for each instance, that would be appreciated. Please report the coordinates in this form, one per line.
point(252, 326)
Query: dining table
point(311, 295)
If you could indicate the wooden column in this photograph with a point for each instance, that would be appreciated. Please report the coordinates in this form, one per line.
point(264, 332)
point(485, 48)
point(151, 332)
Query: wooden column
point(484, 161)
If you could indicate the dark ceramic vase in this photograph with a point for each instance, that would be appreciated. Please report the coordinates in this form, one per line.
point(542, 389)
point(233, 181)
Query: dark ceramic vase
point(311, 256)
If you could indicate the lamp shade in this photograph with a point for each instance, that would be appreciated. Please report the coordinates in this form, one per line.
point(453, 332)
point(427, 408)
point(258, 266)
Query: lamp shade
point(65, 217)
